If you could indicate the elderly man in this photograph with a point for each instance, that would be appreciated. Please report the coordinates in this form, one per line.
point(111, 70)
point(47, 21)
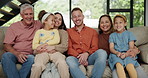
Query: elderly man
point(18, 44)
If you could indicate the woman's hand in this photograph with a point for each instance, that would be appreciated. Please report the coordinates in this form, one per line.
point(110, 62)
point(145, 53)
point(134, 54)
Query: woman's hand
point(133, 52)
point(50, 48)
point(51, 52)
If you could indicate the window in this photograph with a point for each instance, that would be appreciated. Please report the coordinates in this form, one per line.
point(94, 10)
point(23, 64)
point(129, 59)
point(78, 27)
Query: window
point(138, 12)
point(119, 4)
point(132, 9)
point(61, 6)
point(92, 10)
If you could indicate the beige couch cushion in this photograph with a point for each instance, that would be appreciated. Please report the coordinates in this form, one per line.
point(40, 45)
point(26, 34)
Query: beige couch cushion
point(145, 68)
point(83, 69)
point(1, 72)
point(107, 72)
point(2, 32)
point(141, 34)
point(144, 53)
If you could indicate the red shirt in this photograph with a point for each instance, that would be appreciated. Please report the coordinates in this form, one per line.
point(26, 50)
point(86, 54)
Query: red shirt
point(21, 36)
point(84, 41)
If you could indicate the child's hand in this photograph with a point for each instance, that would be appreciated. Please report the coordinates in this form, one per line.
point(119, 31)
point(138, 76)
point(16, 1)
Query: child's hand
point(118, 54)
point(44, 45)
point(42, 48)
point(128, 53)
point(38, 49)
point(123, 55)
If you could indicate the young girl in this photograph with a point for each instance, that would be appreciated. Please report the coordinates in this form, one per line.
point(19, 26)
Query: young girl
point(120, 42)
point(43, 38)
point(47, 35)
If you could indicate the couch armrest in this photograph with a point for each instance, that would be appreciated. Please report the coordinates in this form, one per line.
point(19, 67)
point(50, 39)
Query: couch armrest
point(144, 53)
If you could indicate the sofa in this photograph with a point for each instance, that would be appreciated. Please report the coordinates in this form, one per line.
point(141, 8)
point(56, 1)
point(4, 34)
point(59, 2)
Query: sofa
point(141, 34)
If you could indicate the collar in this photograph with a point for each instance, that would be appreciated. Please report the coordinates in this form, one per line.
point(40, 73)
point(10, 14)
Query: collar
point(25, 26)
point(76, 29)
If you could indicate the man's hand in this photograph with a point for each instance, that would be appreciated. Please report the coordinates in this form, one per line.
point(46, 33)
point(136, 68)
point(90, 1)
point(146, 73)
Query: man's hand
point(86, 63)
point(22, 57)
point(83, 58)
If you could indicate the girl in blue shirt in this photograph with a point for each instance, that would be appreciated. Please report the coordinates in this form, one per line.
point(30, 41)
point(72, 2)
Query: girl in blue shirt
point(120, 42)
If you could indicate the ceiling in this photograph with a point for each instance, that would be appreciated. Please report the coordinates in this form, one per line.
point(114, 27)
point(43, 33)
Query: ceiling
point(5, 15)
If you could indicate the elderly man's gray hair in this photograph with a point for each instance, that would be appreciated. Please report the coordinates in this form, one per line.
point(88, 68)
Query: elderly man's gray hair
point(25, 6)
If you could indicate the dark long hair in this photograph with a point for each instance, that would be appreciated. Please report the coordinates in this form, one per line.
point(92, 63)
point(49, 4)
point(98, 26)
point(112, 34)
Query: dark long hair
point(62, 26)
point(41, 14)
point(111, 28)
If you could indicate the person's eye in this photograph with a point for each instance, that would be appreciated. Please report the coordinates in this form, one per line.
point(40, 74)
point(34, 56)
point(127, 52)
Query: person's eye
point(101, 22)
point(56, 18)
point(106, 22)
point(25, 14)
point(31, 13)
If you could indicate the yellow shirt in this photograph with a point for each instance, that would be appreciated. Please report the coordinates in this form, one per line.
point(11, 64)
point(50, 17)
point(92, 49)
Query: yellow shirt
point(51, 37)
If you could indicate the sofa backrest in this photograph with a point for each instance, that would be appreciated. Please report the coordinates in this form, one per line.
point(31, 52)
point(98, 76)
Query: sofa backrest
point(2, 35)
point(141, 34)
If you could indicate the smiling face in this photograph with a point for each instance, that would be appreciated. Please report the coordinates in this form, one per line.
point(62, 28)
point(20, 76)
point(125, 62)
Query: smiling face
point(28, 16)
point(105, 24)
point(77, 18)
point(119, 24)
point(50, 22)
point(58, 20)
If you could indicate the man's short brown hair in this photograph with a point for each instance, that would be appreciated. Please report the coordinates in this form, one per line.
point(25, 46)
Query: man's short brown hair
point(75, 9)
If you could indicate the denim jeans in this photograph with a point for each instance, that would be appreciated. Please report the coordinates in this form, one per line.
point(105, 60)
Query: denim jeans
point(98, 59)
point(9, 62)
point(140, 73)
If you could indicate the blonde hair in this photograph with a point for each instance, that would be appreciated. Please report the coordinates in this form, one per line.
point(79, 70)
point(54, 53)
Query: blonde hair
point(121, 16)
point(25, 6)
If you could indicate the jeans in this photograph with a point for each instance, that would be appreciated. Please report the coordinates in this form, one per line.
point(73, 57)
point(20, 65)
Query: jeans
point(9, 62)
point(98, 59)
point(140, 73)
